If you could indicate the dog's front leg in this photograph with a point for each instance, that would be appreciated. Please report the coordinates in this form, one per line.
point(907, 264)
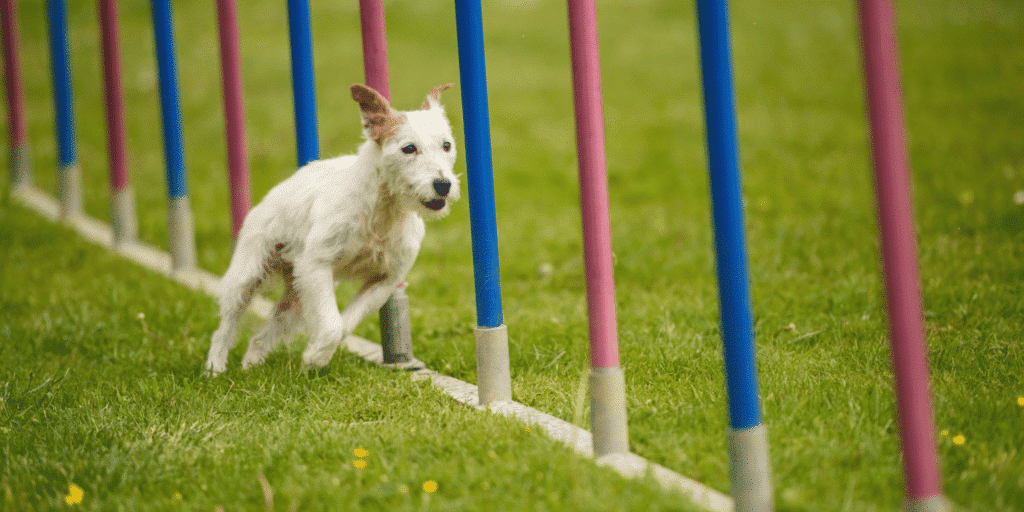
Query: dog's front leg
point(314, 284)
point(369, 300)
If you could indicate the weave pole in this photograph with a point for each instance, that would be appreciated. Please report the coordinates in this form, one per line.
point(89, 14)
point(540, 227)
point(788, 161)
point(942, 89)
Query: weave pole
point(180, 229)
point(20, 156)
point(303, 86)
point(899, 257)
point(375, 46)
point(750, 472)
point(494, 381)
point(395, 327)
point(607, 383)
point(234, 113)
point(122, 199)
point(69, 174)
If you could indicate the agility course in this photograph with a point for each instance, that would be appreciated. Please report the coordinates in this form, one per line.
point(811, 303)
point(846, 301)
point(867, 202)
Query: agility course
point(737, 320)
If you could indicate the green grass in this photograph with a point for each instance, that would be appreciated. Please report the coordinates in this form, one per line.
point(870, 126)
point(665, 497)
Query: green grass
point(826, 383)
point(97, 397)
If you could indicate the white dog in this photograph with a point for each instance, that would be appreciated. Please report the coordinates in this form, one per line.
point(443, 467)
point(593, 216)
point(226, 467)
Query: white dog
point(356, 217)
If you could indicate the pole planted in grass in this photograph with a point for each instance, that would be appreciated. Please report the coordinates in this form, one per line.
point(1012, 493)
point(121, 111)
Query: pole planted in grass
point(899, 257)
point(494, 381)
point(234, 112)
point(750, 470)
point(20, 157)
point(69, 174)
point(180, 228)
point(607, 383)
point(122, 199)
point(395, 327)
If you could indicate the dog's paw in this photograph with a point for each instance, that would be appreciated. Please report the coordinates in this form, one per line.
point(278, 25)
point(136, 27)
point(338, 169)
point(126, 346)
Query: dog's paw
point(318, 356)
point(213, 370)
point(315, 362)
point(252, 358)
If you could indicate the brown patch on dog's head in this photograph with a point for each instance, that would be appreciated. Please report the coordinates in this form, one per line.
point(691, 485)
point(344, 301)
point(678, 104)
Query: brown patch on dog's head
point(434, 98)
point(379, 120)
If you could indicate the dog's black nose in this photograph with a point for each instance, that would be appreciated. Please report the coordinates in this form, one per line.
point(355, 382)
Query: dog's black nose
point(442, 186)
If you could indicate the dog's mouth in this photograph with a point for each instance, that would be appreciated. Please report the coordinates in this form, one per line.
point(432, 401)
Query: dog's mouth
point(434, 204)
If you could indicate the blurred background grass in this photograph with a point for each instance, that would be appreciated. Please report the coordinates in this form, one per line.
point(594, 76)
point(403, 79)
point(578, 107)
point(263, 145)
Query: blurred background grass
point(820, 327)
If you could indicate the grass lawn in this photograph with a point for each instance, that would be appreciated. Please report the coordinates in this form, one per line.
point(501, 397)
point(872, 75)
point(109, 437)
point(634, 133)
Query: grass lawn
point(124, 415)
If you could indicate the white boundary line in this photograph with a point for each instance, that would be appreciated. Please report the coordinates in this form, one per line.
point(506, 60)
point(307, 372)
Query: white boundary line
point(628, 465)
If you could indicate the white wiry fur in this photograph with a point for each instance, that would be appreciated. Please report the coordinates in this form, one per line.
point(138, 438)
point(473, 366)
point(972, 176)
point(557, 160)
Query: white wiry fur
point(357, 217)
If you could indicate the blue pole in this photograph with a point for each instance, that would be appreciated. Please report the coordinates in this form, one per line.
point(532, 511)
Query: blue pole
point(730, 246)
point(303, 85)
point(749, 472)
point(483, 223)
point(170, 108)
point(60, 62)
point(180, 227)
point(493, 373)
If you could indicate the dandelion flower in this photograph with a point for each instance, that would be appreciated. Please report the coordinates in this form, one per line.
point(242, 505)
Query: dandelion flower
point(1020, 401)
point(430, 486)
point(360, 452)
point(360, 464)
point(959, 439)
point(74, 495)
point(403, 489)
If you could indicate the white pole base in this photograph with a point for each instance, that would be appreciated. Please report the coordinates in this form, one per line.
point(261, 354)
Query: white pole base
point(122, 216)
point(608, 411)
point(493, 376)
point(69, 191)
point(181, 234)
point(749, 470)
point(21, 166)
point(933, 504)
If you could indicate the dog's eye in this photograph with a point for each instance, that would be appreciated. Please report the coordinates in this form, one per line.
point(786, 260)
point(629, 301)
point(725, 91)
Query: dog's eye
point(410, 149)
point(447, 146)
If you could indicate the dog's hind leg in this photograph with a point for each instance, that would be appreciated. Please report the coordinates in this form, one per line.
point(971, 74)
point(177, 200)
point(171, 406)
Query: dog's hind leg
point(284, 321)
point(236, 291)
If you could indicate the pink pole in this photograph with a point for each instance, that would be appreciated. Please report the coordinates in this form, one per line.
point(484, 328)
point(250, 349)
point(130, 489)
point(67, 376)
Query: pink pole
point(899, 250)
point(375, 46)
point(113, 95)
point(12, 68)
point(597, 240)
point(234, 112)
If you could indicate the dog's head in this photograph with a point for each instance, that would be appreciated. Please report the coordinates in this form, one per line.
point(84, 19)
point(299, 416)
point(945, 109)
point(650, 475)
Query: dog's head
point(417, 147)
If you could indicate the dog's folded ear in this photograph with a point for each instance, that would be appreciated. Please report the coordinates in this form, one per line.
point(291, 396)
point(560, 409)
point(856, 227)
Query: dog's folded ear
point(379, 119)
point(434, 98)
point(370, 101)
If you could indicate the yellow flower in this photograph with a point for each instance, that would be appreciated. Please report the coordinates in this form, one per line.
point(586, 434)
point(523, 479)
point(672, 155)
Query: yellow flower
point(430, 486)
point(359, 463)
point(1020, 401)
point(403, 488)
point(959, 439)
point(944, 432)
point(360, 452)
point(178, 497)
point(74, 495)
